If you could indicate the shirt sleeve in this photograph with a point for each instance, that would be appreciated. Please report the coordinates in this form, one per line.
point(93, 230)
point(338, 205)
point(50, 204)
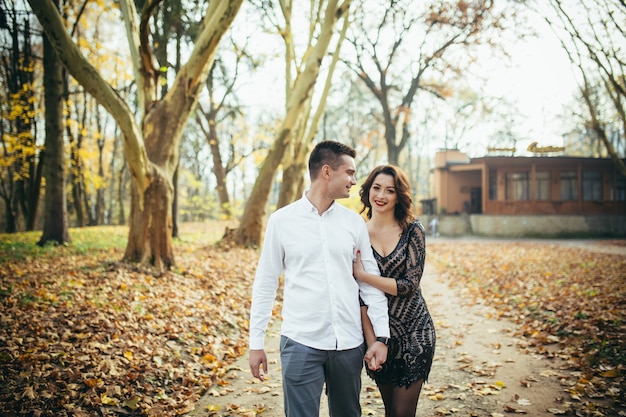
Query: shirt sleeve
point(375, 299)
point(269, 269)
point(416, 257)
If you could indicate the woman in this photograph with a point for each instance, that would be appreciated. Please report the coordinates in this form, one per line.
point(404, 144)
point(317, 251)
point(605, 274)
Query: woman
point(398, 240)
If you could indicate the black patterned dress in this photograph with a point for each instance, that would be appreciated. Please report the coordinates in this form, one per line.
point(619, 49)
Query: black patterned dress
point(412, 344)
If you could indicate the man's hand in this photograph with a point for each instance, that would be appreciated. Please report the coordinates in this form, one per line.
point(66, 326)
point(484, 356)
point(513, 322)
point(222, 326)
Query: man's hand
point(258, 363)
point(375, 356)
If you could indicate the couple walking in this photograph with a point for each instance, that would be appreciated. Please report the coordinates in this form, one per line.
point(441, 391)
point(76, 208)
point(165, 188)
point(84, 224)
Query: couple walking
point(351, 291)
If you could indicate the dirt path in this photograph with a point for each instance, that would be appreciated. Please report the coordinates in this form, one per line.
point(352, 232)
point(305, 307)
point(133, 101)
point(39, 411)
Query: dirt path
point(479, 370)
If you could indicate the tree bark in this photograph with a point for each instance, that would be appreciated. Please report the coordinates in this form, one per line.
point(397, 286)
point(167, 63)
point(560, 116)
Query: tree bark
point(175, 231)
point(251, 224)
point(76, 174)
point(292, 183)
point(151, 148)
point(250, 227)
point(28, 186)
point(10, 219)
point(55, 228)
point(220, 177)
point(218, 164)
point(150, 231)
point(122, 185)
point(294, 170)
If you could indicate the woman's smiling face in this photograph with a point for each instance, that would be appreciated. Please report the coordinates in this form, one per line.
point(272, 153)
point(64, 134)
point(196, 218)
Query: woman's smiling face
point(383, 194)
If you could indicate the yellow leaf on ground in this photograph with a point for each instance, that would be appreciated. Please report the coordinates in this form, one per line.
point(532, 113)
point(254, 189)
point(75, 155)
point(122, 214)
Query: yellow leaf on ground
point(106, 400)
point(611, 373)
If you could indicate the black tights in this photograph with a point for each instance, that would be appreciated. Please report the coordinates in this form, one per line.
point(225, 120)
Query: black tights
point(400, 401)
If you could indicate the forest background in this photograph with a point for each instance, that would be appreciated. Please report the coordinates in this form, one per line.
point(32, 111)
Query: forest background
point(136, 115)
point(143, 113)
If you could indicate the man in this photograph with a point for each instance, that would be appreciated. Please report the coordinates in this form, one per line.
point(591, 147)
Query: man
point(313, 242)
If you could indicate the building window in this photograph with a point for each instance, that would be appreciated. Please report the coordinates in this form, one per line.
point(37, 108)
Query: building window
point(493, 185)
point(592, 185)
point(517, 186)
point(569, 185)
point(542, 183)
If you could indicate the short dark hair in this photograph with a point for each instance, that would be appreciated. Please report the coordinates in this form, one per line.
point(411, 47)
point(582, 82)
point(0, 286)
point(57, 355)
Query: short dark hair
point(329, 153)
point(404, 210)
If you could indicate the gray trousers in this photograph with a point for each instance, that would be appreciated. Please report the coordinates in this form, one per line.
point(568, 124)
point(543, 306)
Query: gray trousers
point(305, 370)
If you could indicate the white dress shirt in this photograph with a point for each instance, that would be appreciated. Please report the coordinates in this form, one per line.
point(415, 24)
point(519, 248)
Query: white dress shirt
point(321, 297)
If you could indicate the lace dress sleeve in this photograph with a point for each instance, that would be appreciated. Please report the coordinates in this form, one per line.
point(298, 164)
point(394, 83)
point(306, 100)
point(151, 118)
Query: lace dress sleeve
point(409, 283)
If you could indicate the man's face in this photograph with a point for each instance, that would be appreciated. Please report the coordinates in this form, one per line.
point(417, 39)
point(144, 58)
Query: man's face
point(343, 179)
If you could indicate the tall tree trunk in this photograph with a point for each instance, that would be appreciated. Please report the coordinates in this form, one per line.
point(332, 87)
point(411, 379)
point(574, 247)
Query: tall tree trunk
point(91, 221)
point(28, 187)
point(175, 205)
point(100, 190)
point(218, 169)
point(294, 171)
point(150, 221)
point(250, 227)
point(251, 224)
point(77, 200)
point(122, 183)
point(152, 146)
point(34, 191)
point(10, 219)
point(150, 232)
point(111, 191)
point(55, 226)
point(100, 204)
point(76, 175)
point(293, 179)
point(35, 168)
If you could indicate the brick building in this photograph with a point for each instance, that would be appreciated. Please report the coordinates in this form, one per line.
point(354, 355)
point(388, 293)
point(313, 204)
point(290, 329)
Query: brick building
point(560, 189)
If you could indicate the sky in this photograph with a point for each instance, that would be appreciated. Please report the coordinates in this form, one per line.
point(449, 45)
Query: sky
point(538, 80)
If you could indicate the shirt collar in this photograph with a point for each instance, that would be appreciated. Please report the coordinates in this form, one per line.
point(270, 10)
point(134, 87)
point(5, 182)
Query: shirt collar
point(310, 207)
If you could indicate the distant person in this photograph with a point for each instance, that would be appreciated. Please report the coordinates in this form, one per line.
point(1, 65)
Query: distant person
point(313, 242)
point(399, 244)
point(434, 224)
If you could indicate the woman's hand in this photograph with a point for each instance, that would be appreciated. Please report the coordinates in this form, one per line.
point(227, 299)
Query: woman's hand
point(357, 267)
point(375, 356)
point(385, 284)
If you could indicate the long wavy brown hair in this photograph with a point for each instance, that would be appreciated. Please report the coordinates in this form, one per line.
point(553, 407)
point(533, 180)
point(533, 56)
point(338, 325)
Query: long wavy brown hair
point(404, 210)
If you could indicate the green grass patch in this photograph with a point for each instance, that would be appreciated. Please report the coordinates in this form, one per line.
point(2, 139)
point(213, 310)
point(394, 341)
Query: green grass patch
point(23, 246)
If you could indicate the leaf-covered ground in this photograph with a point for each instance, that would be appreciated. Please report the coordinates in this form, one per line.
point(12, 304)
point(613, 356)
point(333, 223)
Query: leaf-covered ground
point(569, 302)
point(82, 334)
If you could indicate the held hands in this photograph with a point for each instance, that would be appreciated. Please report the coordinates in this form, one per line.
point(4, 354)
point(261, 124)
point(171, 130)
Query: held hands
point(258, 363)
point(376, 356)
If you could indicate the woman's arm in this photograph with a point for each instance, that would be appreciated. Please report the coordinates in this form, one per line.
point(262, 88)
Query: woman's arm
point(408, 284)
point(385, 284)
point(368, 329)
point(376, 353)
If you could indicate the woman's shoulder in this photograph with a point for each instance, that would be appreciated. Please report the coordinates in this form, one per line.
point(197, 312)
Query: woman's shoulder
point(416, 226)
point(416, 223)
